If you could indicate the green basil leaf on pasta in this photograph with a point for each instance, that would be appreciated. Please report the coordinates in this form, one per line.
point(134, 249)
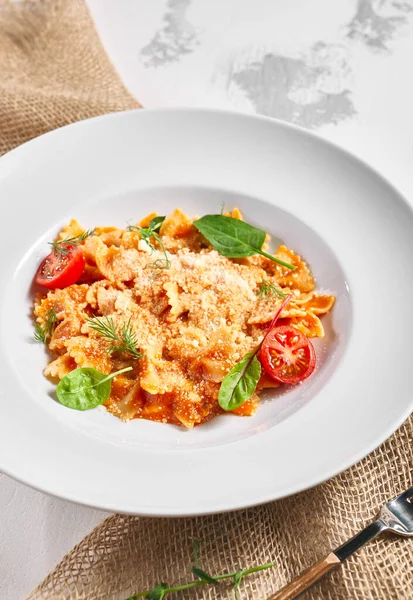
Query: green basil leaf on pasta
point(85, 388)
point(234, 238)
point(241, 382)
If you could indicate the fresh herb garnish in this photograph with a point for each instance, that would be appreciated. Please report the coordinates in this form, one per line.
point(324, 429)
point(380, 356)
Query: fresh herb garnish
point(156, 223)
point(158, 592)
point(63, 247)
point(43, 334)
point(267, 288)
point(203, 575)
point(85, 388)
point(123, 340)
point(240, 383)
point(161, 589)
point(234, 238)
point(150, 233)
point(195, 550)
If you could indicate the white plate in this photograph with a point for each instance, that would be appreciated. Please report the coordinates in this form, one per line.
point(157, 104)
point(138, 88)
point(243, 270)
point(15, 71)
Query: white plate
point(354, 229)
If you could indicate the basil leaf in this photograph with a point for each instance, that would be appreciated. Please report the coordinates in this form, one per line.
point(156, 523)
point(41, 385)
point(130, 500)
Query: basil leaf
point(234, 238)
point(158, 592)
point(240, 383)
point(203, 576)
point(85, 388)
point(156, 223)
point(231, 237)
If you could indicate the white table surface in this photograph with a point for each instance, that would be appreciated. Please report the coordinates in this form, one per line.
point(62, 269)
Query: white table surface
point(339, 67)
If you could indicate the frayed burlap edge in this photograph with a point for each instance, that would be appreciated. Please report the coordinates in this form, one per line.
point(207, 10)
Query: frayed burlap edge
point(53, 70)
point(127, 554)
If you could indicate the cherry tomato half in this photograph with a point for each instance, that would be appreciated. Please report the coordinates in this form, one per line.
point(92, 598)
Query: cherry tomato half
point(61, 269)
point(287, 355)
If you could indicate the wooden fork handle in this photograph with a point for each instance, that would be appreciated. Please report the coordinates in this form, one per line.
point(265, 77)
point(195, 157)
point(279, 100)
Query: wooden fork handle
point(304, 581)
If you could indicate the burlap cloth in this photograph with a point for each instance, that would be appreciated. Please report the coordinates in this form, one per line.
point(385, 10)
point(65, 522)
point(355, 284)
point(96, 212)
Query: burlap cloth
point(53, 71)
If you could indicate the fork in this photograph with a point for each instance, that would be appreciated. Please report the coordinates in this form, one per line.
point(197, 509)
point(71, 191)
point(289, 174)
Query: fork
point(395, 516)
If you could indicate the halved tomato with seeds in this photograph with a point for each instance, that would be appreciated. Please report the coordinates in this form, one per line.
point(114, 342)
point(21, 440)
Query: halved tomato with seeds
point(61, 268)
point(287, 355)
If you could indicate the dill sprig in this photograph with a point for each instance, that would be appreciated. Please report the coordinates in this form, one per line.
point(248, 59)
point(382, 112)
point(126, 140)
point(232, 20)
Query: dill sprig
point(202, 578)
point(63, 247)
point(123, 340)
point(43, 334)
point(148, 234)
point(267, 288)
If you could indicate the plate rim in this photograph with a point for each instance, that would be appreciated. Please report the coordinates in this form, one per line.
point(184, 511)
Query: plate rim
point(328, 473)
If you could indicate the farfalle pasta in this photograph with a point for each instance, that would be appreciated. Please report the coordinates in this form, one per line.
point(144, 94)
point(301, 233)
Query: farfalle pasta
point(193, 312)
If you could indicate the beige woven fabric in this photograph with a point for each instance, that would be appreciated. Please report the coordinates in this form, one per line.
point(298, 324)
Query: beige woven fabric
point(128, 554)
point(54, 71)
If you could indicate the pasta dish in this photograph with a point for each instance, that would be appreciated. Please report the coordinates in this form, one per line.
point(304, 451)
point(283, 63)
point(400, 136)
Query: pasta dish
point(173, 319)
